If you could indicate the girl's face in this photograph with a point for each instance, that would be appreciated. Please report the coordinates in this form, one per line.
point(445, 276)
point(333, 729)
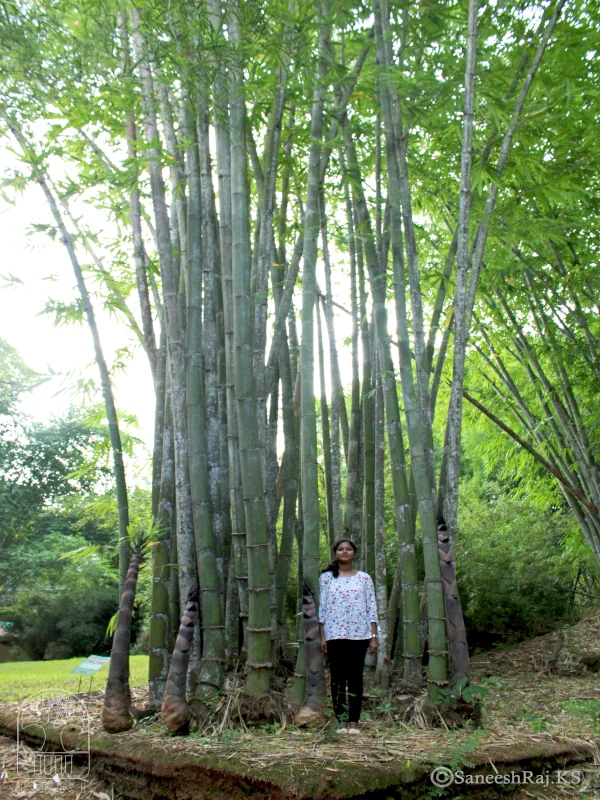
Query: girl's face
point(345, 553)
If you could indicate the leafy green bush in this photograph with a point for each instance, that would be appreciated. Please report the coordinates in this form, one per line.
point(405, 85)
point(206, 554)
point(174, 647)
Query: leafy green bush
point(516, 567)
point(73, 613)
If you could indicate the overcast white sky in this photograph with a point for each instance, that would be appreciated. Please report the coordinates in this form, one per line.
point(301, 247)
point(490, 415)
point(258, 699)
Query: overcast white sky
point(68, 350)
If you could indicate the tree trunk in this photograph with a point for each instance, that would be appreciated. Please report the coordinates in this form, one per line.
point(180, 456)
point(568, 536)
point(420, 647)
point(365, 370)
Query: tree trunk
point(116, 712)
point(210, 350)
point(213, 645)
point(135, 216)
point(352, 487)
point(457, 635)
point(418, 422)
point(338, 403)
point(336, 452)
point(450, 510)
point(382, 672)
point(290, 461)
point(369, 361)
point(316, 689)
point(176, 713)
point(259, 589)
point(186, 551)
point(308, 428)
point(455, 406)
point(107, 392)
point(325, 433)
point(223, 142)
point(160, 622)
point(404, 523)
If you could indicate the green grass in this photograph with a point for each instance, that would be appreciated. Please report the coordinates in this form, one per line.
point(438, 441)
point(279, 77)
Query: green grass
point(19, 679)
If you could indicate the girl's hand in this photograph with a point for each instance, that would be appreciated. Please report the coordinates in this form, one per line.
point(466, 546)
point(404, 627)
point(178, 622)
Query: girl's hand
point(373, 645)
point(324, 645)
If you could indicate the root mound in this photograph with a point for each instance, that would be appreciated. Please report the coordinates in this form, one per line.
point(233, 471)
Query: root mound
point(421, 713)
point(263, 708)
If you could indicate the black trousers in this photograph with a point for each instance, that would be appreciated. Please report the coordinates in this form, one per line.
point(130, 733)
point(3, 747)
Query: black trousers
point(346, 662)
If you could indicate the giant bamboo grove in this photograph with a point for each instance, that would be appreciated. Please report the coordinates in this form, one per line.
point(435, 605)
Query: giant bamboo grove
point(329, 212)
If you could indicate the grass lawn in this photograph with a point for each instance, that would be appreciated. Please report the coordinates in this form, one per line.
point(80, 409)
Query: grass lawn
point(19, 679)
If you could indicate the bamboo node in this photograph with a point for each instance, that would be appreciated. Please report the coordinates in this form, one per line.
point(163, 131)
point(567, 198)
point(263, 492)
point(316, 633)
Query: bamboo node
point(259, 630)
point(438, 652)
point(266, 665)
point(210, 683)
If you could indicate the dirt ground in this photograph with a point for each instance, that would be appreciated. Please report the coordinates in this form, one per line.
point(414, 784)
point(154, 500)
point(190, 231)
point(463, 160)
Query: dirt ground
point(532, 720)
point(21, 780)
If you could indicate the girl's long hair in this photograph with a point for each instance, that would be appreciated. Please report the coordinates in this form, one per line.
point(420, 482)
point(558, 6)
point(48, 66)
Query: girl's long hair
point(334, 567)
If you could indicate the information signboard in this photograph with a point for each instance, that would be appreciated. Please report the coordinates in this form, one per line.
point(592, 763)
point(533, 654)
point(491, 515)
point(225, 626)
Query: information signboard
point(91, 665)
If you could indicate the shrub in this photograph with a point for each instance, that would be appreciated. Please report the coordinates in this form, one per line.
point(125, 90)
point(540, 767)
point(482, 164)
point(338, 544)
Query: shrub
point(73, 614)
point(515, 571)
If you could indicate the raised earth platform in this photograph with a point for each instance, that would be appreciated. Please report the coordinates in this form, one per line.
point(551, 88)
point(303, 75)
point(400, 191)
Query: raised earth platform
point(535, 721)
point(303, 765)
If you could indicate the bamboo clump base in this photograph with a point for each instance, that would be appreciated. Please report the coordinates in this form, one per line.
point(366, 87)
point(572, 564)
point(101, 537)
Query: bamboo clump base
point(529, 718)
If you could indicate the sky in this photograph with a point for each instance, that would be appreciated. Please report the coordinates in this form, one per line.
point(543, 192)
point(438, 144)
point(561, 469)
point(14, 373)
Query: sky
point(65, 352)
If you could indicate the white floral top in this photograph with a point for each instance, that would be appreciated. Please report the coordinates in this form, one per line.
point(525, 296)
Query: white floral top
point(347, 605)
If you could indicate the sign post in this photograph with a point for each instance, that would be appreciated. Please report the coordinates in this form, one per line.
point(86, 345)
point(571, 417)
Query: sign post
point(90, 667)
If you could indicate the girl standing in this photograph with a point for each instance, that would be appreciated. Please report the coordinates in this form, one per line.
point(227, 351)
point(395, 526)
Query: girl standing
point(348, 627)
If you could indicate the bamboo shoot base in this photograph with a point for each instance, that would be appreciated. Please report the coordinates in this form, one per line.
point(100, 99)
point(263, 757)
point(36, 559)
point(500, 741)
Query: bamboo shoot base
point(261, 708)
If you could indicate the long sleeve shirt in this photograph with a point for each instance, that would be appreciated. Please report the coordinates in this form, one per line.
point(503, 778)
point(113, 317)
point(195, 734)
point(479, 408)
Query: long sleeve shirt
point(347, 605)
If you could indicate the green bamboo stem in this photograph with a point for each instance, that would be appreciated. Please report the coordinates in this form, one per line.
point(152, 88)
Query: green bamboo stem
point(290, 456)
point(210, 352)
point(382, 672)
point(404, 524)
point(172, 278)
point(259, 589)
point(238, 521)
point(414, 396)
point(338, 401)
point(210, 677)
point(352, 463)
point(325, 433)
point(160, 621)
